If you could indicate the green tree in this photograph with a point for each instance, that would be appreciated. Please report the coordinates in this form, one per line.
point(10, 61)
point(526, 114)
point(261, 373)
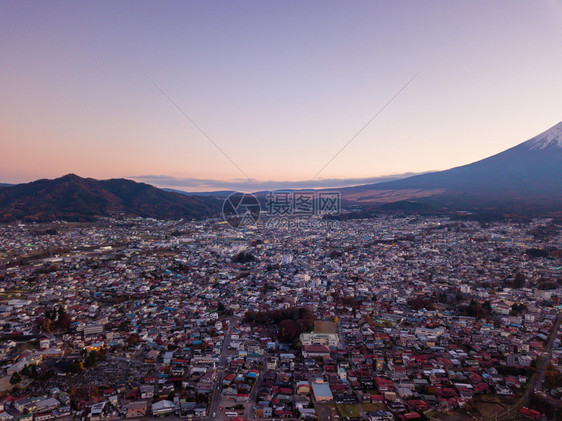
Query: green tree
point(221, 308)
point(519, 281)
point(76, 366)
point(91, 358)
point(15, 379)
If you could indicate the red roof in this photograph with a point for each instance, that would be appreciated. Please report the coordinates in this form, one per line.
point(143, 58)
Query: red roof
point(531, 413)
point(316, 348)
point(417, 404)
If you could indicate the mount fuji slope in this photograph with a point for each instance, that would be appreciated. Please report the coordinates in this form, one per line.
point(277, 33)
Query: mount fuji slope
point(527, 177)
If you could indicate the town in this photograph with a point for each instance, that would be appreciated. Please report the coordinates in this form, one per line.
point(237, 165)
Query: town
point(385, 318)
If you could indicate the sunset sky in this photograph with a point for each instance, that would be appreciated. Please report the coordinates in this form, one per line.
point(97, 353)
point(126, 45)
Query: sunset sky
point(280, 87)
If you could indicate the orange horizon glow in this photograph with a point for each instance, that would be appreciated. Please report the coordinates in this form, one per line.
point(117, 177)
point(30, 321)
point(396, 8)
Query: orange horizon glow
point(280, 88)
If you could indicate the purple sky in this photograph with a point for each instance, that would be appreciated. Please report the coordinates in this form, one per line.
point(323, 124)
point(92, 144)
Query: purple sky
point(280, 87)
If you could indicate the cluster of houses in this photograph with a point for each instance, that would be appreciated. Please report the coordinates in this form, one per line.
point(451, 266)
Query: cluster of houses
point(416, 315)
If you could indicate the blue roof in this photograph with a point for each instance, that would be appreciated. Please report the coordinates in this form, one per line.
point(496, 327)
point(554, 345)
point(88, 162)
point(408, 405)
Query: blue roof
point(322, 390)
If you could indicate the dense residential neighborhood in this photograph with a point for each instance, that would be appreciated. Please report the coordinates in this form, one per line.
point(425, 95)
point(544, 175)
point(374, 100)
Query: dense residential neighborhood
point(281, 210)
point(388, 318)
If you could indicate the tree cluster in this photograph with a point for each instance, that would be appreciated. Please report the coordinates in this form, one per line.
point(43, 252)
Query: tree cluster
point(243, 257)
point(479, 310)
point(346, 301)
point(546, 284)
point(518, 308)
point(15, 379)
point(420, 302)
point(552, 377)
point(506, 370)
point(93, 357)
point(544, 406)
point(291, 322)
point(535, 252)
point(56, 319)
point(517, 282)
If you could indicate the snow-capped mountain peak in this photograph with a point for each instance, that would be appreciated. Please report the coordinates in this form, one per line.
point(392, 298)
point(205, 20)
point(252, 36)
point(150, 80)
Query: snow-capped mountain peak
point(552, 138)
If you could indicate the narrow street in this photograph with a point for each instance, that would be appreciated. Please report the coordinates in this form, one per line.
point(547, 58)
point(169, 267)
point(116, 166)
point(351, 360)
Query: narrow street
point(547, 354)
point(249, 408)
point(536, 383)
point(221, 366)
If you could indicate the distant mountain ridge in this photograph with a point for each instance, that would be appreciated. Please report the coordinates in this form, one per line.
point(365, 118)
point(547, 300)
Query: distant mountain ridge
point(74, 198)
point(526, 177)
point(221, 194)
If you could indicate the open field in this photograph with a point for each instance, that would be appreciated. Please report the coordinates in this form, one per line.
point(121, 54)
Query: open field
point(325, 326)
point(372, 407)
point(353, 410)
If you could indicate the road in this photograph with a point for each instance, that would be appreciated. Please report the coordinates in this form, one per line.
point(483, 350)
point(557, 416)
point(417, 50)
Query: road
point(536, 383)
point(548, 352)
point(341, 336)
point(216, 398)
point(249, 408)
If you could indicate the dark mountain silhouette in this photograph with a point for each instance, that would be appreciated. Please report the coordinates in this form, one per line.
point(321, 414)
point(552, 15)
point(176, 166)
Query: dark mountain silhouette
point(525, 178)
point(5, 185)
point(74, 198)
point(221, 194)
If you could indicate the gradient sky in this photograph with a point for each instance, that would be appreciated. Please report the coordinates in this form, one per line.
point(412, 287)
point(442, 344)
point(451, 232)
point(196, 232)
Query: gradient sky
point(279, 86)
